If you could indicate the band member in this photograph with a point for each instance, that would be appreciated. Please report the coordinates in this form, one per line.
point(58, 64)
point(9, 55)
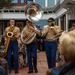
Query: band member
point(12, 34)
point(49, 31)
point(29, 34)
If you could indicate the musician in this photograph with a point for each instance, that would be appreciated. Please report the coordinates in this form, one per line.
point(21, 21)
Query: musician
point(49, 31)
point(13, 44)
point(29, 34)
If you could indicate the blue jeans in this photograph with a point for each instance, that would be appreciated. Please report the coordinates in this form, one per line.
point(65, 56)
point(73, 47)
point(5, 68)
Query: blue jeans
point(32, 55)
point(50, 47)
point(13, 48)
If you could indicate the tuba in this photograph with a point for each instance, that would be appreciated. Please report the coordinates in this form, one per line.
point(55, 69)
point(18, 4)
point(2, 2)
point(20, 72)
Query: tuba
point(9, 35)
point(33, 13)
point(29, 39)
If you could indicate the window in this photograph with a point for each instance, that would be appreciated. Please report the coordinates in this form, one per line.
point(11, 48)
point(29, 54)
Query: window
point(8, 24)
point(29, 1)
point(46, 3)
point(51, 3)
point(41, 2)
point(1, 28)
point(58, 0)
point(21, 1)
point(41, 23)
point(15, 1)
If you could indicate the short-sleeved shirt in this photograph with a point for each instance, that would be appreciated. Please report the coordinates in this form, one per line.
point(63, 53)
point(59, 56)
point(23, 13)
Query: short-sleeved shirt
point(16, 31)
point(49, 36)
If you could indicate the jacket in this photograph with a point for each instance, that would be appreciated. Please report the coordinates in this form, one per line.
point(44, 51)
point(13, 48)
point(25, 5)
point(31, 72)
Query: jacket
point(68, 70)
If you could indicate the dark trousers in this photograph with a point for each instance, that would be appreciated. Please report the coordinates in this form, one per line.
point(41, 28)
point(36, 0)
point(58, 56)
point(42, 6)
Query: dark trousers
point(50, 47)
point(41, 45)
point(13, 48)
point(32, 56)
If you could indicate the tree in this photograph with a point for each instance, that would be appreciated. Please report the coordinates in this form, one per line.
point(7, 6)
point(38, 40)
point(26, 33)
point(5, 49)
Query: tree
point(6, 3)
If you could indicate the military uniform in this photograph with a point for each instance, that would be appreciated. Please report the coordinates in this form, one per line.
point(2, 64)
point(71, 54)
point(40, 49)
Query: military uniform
point(50, 44)
point(30, 41)
point(13, 46)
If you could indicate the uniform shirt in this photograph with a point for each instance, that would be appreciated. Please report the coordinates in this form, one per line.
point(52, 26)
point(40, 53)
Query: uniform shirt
point(16, 31)
point(50, 34)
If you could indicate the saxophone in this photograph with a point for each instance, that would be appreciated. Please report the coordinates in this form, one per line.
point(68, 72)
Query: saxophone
point(9, 36)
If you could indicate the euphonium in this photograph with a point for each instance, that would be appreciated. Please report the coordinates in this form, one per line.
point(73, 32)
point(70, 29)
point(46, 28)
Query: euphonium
point(9, 36)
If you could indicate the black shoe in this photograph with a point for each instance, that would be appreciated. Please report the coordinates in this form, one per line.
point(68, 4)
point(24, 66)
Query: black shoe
point(9, 71)
point(30, 72)
point(16, 72)
point(36, 71)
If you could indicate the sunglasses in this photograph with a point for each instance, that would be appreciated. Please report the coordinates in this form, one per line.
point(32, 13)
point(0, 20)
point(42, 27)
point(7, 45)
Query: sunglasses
point(50, 21)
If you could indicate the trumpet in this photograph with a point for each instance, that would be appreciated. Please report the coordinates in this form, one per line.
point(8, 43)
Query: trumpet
point(51, 27)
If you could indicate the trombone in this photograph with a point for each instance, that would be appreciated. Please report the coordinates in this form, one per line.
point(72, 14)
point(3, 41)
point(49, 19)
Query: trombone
point(62, 32)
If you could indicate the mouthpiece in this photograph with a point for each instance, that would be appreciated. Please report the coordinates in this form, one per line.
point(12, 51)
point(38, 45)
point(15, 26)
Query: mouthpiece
point(51, 27)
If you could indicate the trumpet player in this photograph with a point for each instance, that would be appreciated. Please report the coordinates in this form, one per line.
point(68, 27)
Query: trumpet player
point(29, 36)
point(12, 34)
point(49, 31)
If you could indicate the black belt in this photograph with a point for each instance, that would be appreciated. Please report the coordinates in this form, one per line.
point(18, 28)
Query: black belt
point(50, 40)
point(12, 39)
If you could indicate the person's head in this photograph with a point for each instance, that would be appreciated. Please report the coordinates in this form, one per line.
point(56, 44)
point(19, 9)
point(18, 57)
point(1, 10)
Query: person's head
point(51, 21)
point(12, 22)
point(32, 10)
point(67, 47)
point(34, 6)
point(29, 22)
point(73, 26)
